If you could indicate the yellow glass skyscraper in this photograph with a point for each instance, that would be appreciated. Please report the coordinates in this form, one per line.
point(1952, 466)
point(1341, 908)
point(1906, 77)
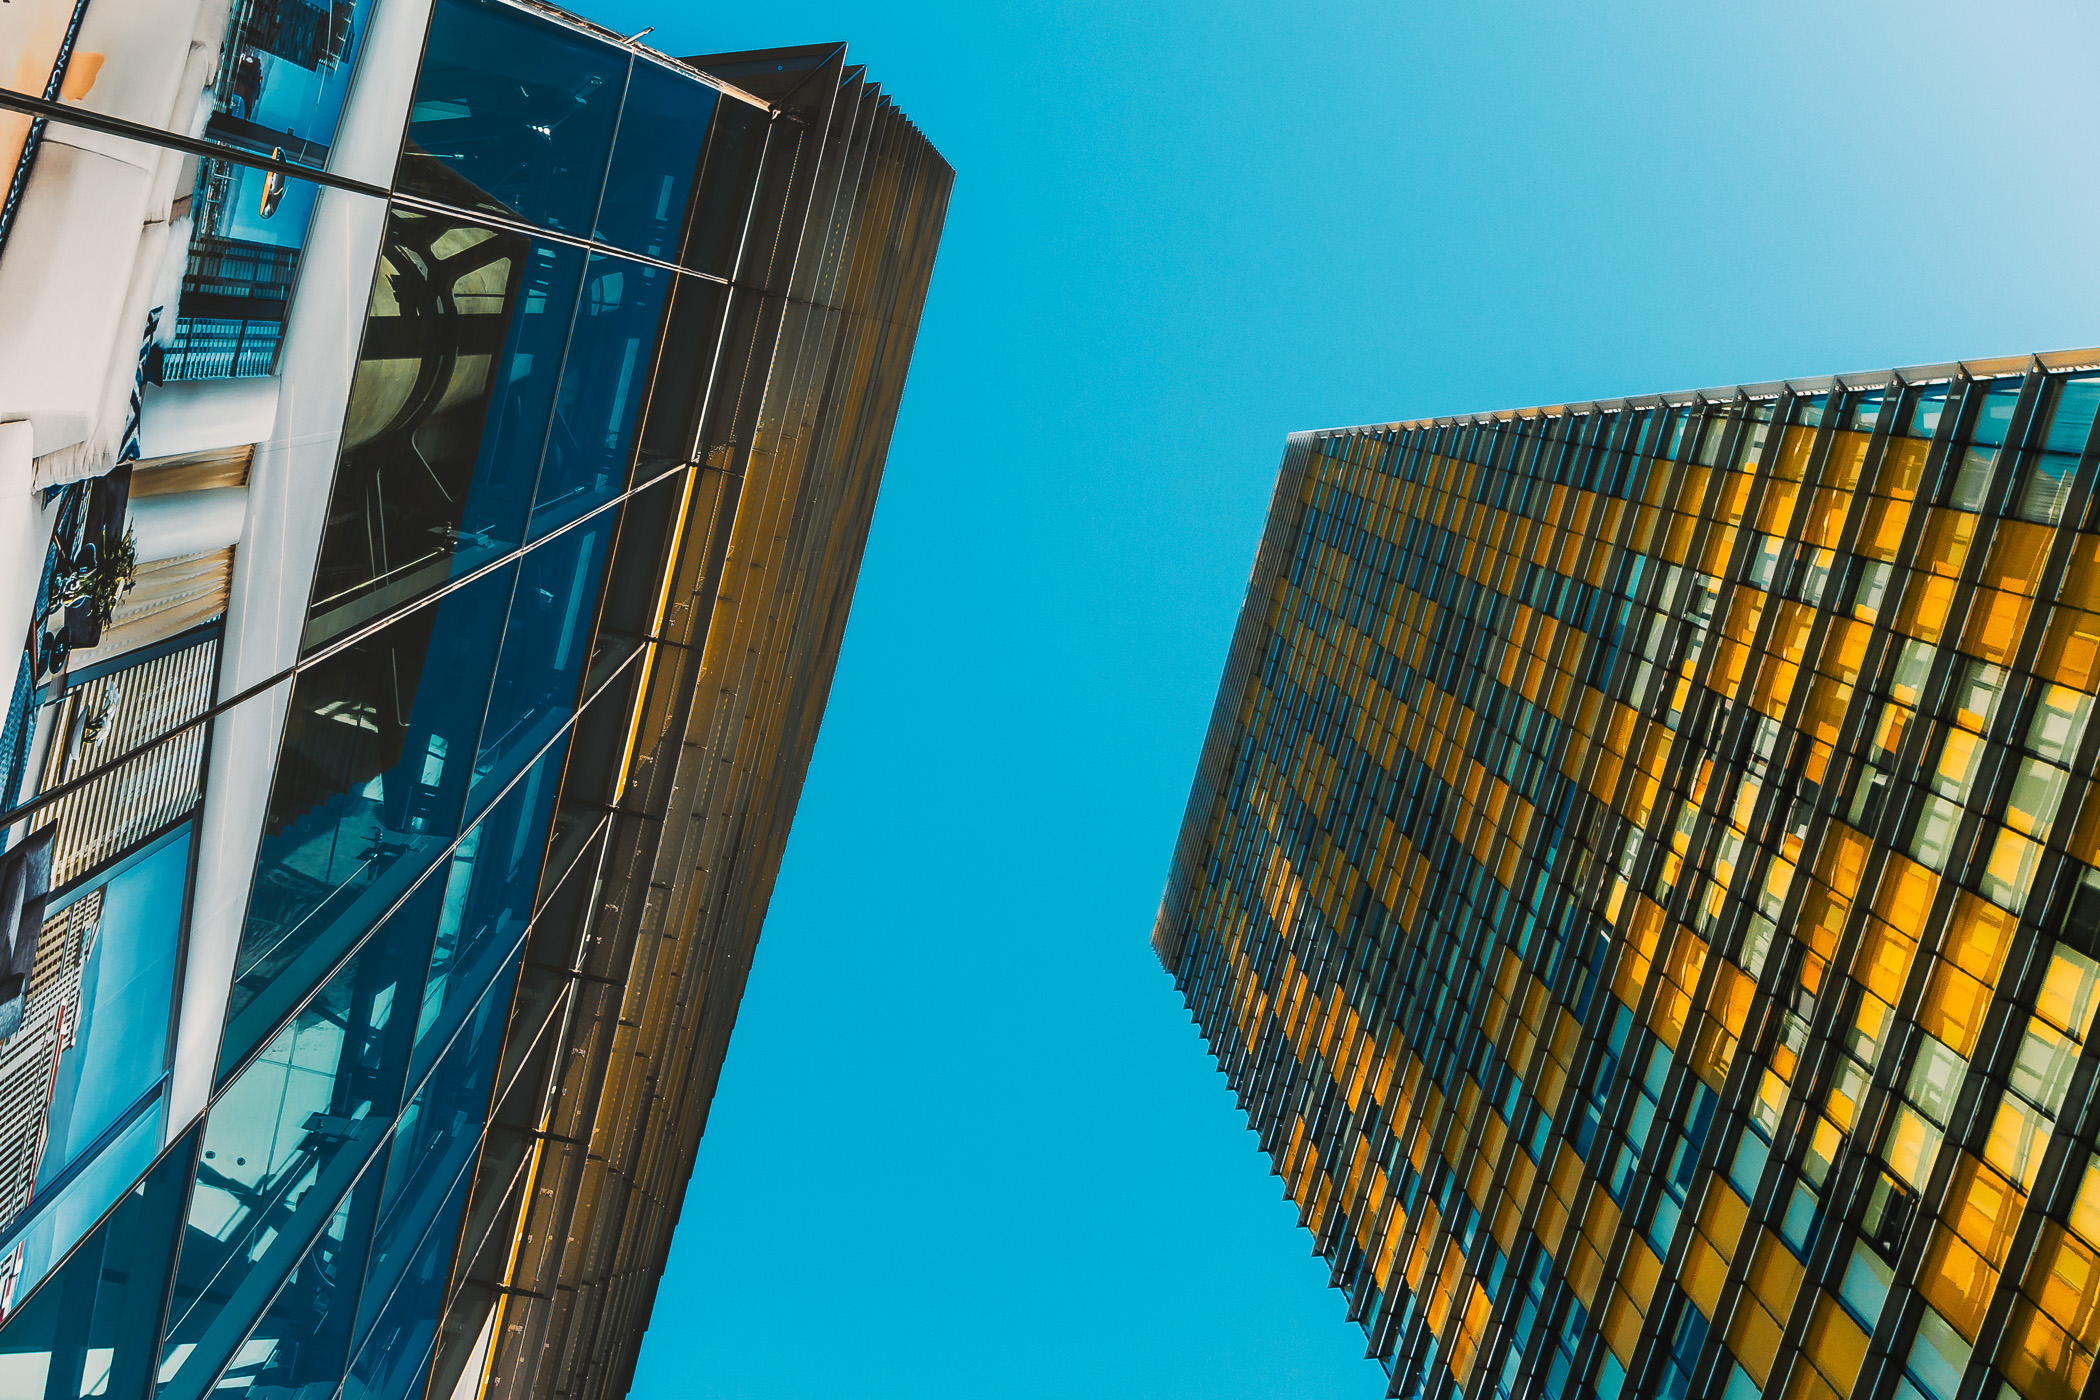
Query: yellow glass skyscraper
point(1640, 884)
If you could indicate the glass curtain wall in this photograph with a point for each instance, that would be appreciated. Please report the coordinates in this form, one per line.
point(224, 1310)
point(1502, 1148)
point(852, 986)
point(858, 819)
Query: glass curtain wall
point(551, 271)
point(1644, 887)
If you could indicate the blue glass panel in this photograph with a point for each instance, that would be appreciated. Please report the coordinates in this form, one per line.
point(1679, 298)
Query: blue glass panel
point(662, 128)
point(601, 389)
point(265, 1004)
point(90, 1329)
point(284, 74)
point(127, 988)
point(369, 789)
point(513, 113)
point(440, 1130)
point(283, 1144)
point(526, 380)
point(488, 901)
point(406, 1278)
point(57, 1224)
point(448, 413)
point(300, 1344)
point(544, 646)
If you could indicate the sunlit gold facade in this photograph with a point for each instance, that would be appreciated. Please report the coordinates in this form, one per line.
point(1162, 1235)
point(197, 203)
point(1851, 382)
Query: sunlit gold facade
point(1640, 884)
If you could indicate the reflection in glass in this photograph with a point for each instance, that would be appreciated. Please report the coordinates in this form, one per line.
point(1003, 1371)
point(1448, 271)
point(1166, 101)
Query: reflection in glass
point(448, 411)
point(519, 111)
point(493, 877)
point(369, 785)
point(395, 1348)
point(127, 989)
point(303, 1339)
point(663, 125)
point(601, 390)
point(281, 1149)
point(283, 76)
point(42, 1239)
point(544, 645)
point(440, 1129)
point(90, 1329)
point(248, 229)
point(86, 1052)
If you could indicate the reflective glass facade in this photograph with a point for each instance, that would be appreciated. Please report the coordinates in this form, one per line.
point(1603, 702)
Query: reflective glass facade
point(416, 699)
point(1641, 885)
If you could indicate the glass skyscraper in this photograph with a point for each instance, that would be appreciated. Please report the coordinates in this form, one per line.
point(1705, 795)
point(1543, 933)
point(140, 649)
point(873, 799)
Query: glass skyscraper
point(1640, 884)
point(437, 442)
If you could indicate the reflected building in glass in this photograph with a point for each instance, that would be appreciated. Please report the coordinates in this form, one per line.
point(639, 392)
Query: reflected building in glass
point(1640, 884)
point(437, 442)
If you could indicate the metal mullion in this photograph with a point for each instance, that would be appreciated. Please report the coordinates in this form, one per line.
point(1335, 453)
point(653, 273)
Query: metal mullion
point(2005, 1020)
point(1809, 1072)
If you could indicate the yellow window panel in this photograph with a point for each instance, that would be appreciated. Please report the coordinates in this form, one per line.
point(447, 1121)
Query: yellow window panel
point(1926, 599)
point(2018, 551)
point(1905, 896)
point(2080, 587)
point(1948, 535)
point(1720, 546)
point(1771, 1099)
point(1902, 466)
point(1846, 1091)
point(1601, 1221)
point(1471, 1325)
point(1984, 1209)
point(1843, 859)
point(1848, 451)
point(1794, 447)
point(1959, 752)
point(1704, 1274)
point(1679, 542)
point(1844, 650)
point(1508, 1217)
point(1884, 960)
point(1958, 1281)
point(1977, 937)
point(1691, 491)
point(2039, 1357)
point(1585, 1270)
point(1835, 1343)
point(1775, 687)
point(1881, 536)
point(1954, 1007)
point(2064, 1279)
point(1621, 1327)
point(1775, 1274)
point(1712, 1053)
point(1731, 996)
point(1825, 520)
point(1552, 1223)
point(1639, 1273)
point(1996, 621)
point(1778, 507)
point(2009, 873)
point(1807, 1383)
point(2085, 1210)
point(1754, 1337)
point(1871, 1026)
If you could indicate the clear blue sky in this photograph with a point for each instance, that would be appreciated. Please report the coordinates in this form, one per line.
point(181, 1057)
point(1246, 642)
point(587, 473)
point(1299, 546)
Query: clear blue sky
point(967, 1142)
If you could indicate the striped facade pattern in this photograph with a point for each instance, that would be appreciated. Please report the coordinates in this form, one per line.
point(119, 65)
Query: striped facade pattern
point(1640, 885)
